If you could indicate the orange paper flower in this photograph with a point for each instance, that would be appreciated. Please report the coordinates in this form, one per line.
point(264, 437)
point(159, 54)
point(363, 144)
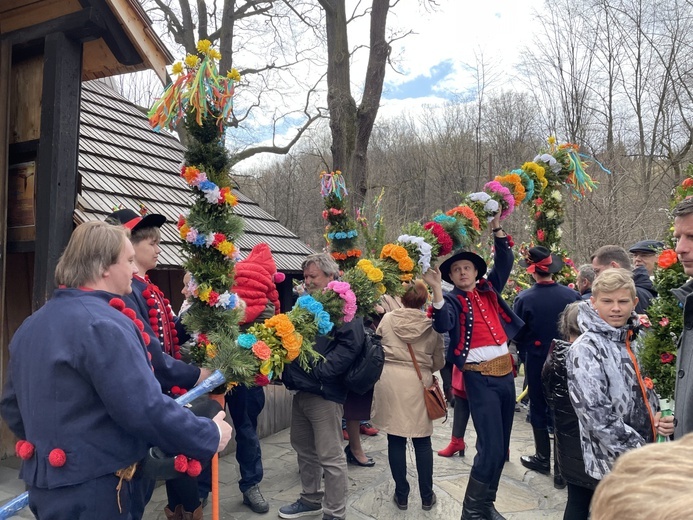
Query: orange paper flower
point(667, 258)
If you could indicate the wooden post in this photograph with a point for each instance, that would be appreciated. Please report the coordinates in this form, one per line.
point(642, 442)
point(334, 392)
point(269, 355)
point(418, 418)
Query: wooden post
point(5, 70)
point(56, 177)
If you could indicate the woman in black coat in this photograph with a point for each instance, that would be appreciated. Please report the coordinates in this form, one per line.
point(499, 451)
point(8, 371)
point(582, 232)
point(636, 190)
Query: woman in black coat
point(566, 428)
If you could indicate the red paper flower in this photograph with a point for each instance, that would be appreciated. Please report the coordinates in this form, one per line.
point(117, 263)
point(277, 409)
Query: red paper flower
point(538, 201)
point(687, 183)
point(540, 235)
point(57, 458)
point(261, 380)
point(194, 468)
point(648, 383)
point(667, 258)
point(667, 358)
point(664, 321)
point(180, 463)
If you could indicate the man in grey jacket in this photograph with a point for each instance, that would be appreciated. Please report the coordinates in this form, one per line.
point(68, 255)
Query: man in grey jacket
point(683, 397)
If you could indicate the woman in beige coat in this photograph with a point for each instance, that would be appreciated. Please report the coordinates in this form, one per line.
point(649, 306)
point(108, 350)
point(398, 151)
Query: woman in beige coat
point(398, 401)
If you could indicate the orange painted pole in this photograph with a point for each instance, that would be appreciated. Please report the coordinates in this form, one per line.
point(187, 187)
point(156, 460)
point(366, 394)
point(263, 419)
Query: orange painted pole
point(215, 487)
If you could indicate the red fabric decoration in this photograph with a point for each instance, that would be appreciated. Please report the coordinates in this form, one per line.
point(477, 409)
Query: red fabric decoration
point(180, 463)
point(151, 302)
point(194, 468)
point(154, 323)
point(167, 301)
point(57, 458)
point(177, 355)
point(175, 390)
point(261, 380)
point(24, 450)
point(153, 313)
point(254, 282)
point(183, 391)
point(174, 332)
point(146, 338)
point(138, 323)
point(147, 293)
point(117, 304)
point(130, 313)
point(149, 356)
point(279, 277)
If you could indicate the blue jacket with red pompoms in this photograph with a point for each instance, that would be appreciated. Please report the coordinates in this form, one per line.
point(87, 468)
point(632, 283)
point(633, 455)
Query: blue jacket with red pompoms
point(447, 319)
point(80, 382)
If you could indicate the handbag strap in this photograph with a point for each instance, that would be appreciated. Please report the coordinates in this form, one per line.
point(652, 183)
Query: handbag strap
point(416, 364)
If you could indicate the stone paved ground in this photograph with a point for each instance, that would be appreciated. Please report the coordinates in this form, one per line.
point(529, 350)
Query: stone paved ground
point(523, 495)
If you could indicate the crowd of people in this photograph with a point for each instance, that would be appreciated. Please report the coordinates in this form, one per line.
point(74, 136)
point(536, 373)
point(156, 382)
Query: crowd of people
point(106, 350)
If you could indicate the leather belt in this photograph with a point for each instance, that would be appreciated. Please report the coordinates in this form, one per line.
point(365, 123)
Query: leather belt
point(496, 367)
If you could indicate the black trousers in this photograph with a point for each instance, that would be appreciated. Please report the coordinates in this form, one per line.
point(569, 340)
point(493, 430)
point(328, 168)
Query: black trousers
point(460, 418)
point(578, 505)
point(492, 403)
point(397, 456)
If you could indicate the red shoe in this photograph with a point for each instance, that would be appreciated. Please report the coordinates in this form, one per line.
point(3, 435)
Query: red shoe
point(345, 434)
point(367, 429)
point(456, 445)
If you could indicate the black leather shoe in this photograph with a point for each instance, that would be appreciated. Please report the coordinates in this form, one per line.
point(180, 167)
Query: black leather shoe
point(351, 459)
point(427, 505)
point(401, 504)
point(536, 463)
point(559, 482)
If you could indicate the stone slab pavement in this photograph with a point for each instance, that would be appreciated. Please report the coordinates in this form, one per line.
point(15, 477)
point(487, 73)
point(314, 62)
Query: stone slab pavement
point(522, 495)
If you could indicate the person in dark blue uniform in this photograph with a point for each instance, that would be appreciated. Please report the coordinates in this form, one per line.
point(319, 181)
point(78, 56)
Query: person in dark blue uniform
point(175, 377)
point(81, 395)
point(480, 323)
point(540, 307)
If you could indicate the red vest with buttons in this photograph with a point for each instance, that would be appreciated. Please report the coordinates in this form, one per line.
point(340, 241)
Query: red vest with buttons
point(161, 318)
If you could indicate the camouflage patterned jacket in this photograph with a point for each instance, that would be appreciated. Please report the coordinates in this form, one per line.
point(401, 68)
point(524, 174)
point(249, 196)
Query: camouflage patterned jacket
point(615, 410)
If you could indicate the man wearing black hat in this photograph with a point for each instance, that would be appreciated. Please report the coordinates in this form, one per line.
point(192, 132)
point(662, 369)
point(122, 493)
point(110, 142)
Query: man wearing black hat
point(480, 323)
point(175, 376)
point(539, 307)
point(645, 254)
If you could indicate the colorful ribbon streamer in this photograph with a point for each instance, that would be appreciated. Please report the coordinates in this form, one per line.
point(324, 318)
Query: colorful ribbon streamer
point(333, 182)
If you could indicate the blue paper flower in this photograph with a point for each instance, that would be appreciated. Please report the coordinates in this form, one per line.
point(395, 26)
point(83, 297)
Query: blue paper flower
point(246, 340)
point(443, 218)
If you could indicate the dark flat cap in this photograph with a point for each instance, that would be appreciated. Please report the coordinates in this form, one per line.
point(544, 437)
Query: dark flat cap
point(647, 246)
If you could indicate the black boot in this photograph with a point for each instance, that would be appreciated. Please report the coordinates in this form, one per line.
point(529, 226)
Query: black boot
point(491, 513)
point(540, 462)
point(474, 505)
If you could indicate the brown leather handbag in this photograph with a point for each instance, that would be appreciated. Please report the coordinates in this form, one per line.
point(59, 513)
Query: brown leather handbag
point(436, 406)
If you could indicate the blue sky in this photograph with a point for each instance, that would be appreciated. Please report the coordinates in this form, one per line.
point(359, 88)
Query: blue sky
point(423, 85)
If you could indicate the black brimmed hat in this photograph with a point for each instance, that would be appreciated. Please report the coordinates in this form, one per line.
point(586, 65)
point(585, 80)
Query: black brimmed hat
point(540, 260)
point(462, 254)
point(134, 221)
point(647, 246)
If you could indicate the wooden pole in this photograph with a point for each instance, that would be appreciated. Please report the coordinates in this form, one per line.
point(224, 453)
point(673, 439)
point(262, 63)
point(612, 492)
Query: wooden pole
point(215, 487)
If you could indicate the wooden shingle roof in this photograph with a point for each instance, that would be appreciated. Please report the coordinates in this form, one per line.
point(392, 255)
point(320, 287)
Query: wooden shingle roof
point(123, 161)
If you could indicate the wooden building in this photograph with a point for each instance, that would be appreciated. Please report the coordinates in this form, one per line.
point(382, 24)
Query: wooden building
point(70, 150)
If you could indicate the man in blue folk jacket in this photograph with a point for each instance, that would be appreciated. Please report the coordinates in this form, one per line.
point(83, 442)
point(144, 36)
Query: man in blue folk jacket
point(480, 323)
point(81, 394)
point(539, 307)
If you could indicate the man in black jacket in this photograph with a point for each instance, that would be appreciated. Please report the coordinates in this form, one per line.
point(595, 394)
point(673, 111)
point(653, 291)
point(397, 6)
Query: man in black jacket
point(316, 418)
point(608, 257)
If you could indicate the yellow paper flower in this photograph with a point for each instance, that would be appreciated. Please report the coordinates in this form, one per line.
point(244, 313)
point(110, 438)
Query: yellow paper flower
point(266, 367)
point(177, 68)
point(381, 288)
point(211, 351)
point(204, 294)
point(375, 275)
point(234, 75)
point(215, 54)
point(191, 61)
point(203, 46)
point(551, 140)
point(225, 247)
point(230, 199)
point(364, 264)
